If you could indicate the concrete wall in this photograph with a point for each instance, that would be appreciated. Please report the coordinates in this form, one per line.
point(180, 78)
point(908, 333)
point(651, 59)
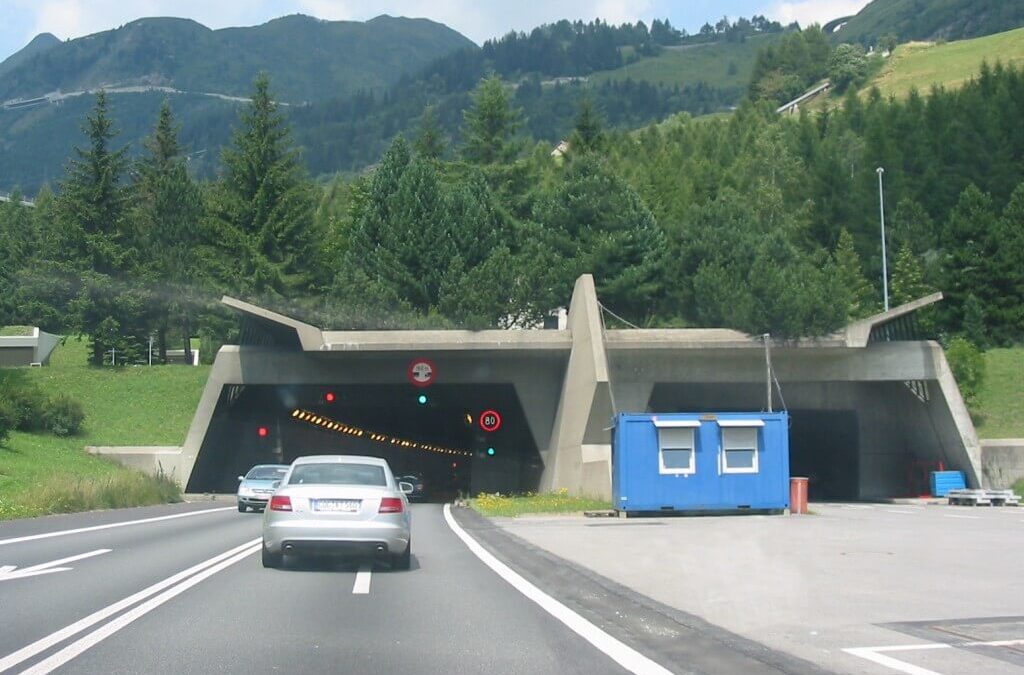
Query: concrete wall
point(11, 357)
point(152, 460)
point(1002, 462)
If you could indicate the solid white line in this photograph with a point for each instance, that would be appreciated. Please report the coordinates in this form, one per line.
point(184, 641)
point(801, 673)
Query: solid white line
point(948, 515)
point(79, 646)
point(624, 655)
point(906, 513)
point(59, 636)
point(890, 662)
point(47, 535)
point(858, 506)
point(362, 585)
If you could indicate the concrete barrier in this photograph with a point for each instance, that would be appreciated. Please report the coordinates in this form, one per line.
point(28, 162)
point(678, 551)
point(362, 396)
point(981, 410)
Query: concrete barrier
point(1002, 462)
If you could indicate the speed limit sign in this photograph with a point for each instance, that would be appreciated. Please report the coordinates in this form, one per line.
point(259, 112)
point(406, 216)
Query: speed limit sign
point(421, 372)
point(490, 420)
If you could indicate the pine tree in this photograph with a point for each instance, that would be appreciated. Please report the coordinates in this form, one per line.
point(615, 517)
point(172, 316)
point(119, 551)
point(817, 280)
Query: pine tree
point(168, 209)
point(264, 207)
point(430, 142)
point(588, 132)
point(490, 124)
point(907, 281)
point(861, 300)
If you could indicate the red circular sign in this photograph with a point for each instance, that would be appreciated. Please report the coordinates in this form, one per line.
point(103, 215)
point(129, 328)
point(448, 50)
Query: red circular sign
point(421, 372)
point(490, 420)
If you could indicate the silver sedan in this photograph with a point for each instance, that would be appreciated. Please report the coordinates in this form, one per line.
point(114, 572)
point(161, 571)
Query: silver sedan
point(338, 505)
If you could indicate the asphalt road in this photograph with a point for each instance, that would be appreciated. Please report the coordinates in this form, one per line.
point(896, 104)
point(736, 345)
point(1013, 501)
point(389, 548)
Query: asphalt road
point(448, 614)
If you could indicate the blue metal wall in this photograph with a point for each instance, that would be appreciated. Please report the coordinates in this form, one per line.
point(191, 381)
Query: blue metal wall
point(638, 484)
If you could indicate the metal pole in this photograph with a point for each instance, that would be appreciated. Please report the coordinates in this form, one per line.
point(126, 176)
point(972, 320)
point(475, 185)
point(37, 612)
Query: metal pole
point(881, 215)
point(768, 369)
point(151, 350)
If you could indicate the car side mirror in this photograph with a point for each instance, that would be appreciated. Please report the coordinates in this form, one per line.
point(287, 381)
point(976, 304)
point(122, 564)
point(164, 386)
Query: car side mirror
point(276, 484)
point(241, 478)
point(406, 488)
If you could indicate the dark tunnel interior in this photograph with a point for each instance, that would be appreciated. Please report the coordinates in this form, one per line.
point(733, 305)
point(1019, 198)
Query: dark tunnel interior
point(435, 432)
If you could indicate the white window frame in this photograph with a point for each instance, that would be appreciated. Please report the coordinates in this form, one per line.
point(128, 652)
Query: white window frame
point(725, 425)
point(691, 425)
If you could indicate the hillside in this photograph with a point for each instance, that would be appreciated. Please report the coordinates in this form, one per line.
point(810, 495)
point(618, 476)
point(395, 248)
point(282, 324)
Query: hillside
point(309, 59)
point(921, 65)
point(38, 45)
point(932, 20)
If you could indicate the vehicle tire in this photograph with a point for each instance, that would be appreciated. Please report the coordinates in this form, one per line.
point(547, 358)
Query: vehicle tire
point(241, 507)
point(272, 560)
point(402, 561)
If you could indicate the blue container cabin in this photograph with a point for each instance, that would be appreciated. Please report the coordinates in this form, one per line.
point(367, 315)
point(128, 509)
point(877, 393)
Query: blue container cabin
point(700, 462)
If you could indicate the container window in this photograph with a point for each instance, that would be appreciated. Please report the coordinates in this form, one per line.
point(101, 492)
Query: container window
point(676, 450)
point(739, 450)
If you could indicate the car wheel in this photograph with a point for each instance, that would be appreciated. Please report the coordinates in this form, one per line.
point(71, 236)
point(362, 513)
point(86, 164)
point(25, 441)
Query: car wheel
point(402, 561)
point(272, 560)
point(241, 507)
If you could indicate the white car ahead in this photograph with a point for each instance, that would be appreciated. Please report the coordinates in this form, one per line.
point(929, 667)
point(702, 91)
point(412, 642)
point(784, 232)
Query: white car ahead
point(338, 505)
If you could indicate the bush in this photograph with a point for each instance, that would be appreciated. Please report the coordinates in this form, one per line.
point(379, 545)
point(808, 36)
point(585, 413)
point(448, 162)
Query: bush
point(63, 416)
point(9, 417)
point(968, 365)
point(30, 403)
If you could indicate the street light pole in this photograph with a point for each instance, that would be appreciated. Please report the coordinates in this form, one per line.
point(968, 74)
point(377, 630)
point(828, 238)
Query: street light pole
point(881, 215)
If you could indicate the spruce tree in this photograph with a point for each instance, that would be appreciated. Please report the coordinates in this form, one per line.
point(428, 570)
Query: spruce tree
point(861, 299)
point(430, 142)
point(490, 124)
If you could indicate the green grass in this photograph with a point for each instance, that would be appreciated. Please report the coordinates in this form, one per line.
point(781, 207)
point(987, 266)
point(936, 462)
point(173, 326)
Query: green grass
point(545, 502)
point(1000, 404)
point(15, 331)
point(708, 63)
point(921, 64)
point(141, 405)
point(1018, 487)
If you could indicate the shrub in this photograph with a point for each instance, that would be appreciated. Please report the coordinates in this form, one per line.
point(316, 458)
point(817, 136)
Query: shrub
point(63, 416)
point(30, 403)
point(968, 365)
point(9, 417)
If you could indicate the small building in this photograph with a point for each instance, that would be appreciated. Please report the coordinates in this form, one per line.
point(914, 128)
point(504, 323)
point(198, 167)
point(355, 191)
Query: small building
point(695, 462)
point(25, 346)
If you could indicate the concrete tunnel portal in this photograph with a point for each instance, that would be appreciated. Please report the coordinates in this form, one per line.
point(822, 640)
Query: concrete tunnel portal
point(435, 432)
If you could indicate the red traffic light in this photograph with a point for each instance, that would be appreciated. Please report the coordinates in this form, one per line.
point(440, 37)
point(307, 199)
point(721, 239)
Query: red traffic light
point(329, 397)
point(262, 432)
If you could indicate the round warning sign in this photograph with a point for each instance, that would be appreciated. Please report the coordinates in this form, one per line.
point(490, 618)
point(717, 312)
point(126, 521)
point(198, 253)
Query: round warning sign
point(422, 372)
point(490, 420)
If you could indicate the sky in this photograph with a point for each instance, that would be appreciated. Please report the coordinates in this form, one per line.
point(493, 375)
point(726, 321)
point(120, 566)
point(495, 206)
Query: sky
point(21, 20)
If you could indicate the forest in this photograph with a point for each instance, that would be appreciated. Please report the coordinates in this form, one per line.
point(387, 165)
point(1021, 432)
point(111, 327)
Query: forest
point(750, 221)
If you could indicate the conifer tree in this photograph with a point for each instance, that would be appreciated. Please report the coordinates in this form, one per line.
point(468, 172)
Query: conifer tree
point(430, 142)
point(861, 300)
point(490, 124)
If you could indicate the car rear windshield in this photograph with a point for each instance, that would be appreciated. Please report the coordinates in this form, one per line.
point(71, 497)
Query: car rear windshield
point(267, 473)
point(338, 474)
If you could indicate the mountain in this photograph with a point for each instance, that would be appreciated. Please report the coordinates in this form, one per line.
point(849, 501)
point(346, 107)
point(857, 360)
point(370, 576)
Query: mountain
point(931, 20)
point(308, 59)
point(38, 45)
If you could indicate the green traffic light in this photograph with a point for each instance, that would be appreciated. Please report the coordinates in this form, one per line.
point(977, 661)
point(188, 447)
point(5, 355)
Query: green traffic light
point(490, 452)
point(422, 399)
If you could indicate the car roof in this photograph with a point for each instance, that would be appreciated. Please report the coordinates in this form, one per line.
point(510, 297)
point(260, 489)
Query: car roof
point(340, 459)
point(269, 466)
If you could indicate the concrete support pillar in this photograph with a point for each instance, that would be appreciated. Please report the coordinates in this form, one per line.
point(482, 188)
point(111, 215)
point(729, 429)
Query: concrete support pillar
point(579, 454)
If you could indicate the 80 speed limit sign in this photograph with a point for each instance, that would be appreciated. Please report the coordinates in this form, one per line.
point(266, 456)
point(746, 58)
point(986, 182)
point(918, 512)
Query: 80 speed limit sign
point(490, 420)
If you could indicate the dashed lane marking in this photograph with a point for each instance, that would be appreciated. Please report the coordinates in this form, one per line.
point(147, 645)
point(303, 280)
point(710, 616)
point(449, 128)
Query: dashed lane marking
point(362, 584)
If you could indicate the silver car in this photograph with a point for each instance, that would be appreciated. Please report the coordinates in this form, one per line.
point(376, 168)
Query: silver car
point(338, 505)
point(255, 487)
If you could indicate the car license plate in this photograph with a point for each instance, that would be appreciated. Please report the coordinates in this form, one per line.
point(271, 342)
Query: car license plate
point(336, 505)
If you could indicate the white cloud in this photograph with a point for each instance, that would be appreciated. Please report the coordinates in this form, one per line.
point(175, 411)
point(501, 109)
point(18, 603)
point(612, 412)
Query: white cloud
point(813, 11)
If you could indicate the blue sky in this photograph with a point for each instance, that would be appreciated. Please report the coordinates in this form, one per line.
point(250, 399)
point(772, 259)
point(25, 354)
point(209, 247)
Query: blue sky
point(20, 20)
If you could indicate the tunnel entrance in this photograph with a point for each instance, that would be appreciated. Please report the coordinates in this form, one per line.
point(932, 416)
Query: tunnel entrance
point(434, 432)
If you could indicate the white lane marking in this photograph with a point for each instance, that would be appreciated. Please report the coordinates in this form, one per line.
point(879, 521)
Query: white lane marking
point(624, 655)
point(906, 513)
point(890, 662)
point(857, 506)
point(79, 646)
point(8, 572)
point(41, 645)
point(362, 585)
point(875, 655)
point(47, 535)
point(950, 515)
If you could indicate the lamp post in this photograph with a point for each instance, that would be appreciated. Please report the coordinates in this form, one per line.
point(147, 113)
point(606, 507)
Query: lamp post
point(881, 215)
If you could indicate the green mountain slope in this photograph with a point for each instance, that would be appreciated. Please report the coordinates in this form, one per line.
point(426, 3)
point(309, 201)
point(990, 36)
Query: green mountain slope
point(919, 65)
point(308, 59)
point(38, 45)
point(932, 20)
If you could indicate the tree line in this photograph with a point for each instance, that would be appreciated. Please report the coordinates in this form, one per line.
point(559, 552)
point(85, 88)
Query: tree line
point(753, 222)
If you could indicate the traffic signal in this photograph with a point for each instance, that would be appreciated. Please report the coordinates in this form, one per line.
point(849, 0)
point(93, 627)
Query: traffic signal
point(422, 399)
point(490, 452)
point(329, 397)
point(262, 432)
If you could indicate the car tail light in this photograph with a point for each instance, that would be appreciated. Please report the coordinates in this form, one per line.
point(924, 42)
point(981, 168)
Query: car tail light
point(390, 505)
point(280, 503)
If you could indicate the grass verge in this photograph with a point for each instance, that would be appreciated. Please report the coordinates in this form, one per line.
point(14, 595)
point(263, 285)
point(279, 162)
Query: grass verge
point(1018, 487)
point(1000, 406)
point(545, 502)
point(41, 474)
